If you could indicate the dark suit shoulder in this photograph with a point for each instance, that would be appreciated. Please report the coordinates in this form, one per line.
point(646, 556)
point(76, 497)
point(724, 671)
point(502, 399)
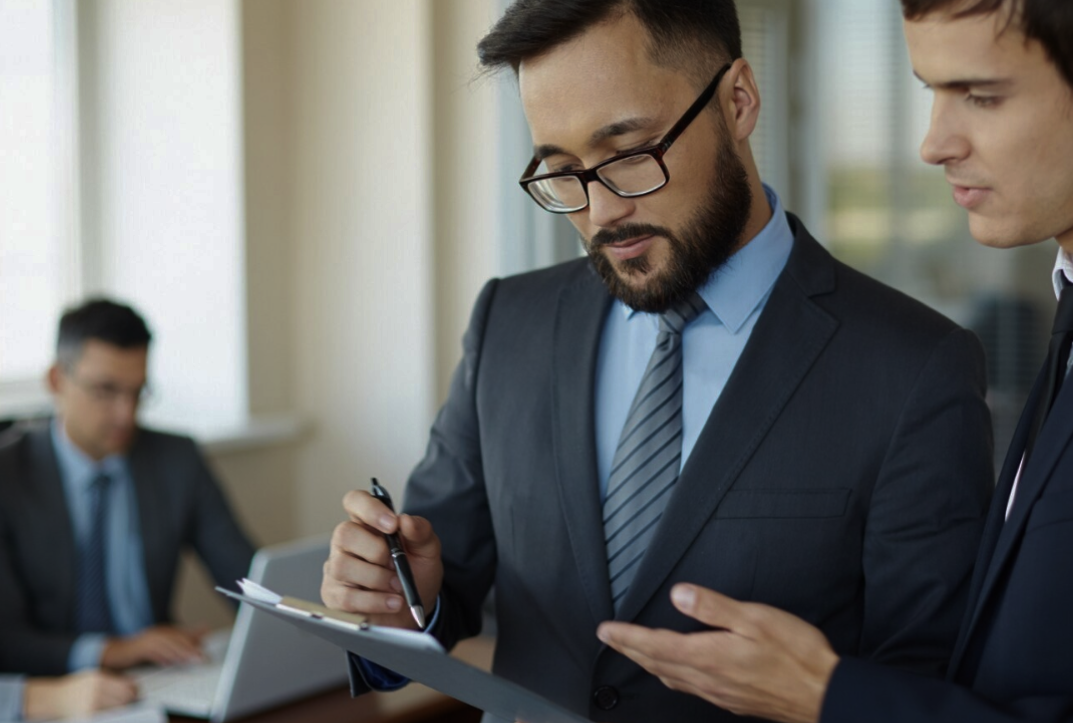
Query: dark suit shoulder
point(533, 285)
point(157, 440)
point(858, 302)
point(18, 445)
point(862, 299)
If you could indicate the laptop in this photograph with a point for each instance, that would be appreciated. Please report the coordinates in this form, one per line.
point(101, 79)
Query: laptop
point(264, 661)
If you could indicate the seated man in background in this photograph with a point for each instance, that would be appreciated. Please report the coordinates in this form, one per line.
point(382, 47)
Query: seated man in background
point(95, 511)
point(72, 695)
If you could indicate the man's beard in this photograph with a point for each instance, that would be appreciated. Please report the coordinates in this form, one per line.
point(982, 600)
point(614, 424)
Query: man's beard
point(707, 240)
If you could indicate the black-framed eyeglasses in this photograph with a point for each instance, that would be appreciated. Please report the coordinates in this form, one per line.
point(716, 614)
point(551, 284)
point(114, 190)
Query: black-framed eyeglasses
point(633, 174)
point(107, 393)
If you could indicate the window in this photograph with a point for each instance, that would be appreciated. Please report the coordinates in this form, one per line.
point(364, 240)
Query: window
point(38, 203)
point(121, 173)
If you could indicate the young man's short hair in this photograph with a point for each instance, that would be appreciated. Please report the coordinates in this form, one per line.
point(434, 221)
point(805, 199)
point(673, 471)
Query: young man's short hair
point(1050, 22)
point(103, 320)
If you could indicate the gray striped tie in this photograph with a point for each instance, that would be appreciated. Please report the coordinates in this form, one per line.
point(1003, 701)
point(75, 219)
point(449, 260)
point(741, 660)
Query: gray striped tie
point(649, 452)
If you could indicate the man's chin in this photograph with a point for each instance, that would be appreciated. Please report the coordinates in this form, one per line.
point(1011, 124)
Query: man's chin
point(118, 443)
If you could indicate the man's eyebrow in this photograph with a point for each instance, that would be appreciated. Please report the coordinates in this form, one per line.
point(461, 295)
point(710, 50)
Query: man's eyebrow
point(964, 83)
point(610, 130)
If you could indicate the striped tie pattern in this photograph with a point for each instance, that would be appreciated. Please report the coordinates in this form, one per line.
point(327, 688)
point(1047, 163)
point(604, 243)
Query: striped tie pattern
point(649, 454)
point(92, 610)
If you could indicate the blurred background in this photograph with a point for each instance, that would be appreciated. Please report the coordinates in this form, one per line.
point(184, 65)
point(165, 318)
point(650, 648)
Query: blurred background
point(303, 197)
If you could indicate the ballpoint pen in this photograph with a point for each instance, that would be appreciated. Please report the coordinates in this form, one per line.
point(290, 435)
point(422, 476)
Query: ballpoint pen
point(402, 565)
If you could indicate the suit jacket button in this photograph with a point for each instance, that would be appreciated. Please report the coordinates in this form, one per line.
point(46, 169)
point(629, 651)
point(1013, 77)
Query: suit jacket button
point(605, 697)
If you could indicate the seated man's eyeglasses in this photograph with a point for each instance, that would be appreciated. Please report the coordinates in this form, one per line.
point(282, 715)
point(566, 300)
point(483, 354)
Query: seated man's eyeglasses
point(629, 175)
point(108, 393)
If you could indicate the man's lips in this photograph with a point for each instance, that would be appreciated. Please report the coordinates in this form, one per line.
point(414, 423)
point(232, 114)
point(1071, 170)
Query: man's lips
point(969, 196)
point(630, 248)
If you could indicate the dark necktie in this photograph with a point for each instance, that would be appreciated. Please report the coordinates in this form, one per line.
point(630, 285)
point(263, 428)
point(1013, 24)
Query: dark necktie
point(649, 452)
point(1055, 366)
point(93, 613)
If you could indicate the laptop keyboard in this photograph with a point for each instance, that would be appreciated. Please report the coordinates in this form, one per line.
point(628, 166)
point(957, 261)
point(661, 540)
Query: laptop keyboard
point(188, 689)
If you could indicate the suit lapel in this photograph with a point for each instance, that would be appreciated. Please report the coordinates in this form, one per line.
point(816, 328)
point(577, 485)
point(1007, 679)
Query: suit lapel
point(582, 308)
point(993, 527)
point(51, 508)
point(790, 334)
point(1051, 443)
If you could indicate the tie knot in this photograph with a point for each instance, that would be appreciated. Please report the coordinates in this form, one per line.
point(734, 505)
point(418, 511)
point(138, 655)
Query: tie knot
point(1063, 318)
point(100, 482)
point(676, 317)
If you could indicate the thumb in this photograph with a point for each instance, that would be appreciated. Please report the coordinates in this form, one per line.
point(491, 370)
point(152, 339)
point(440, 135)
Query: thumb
point(418, 537)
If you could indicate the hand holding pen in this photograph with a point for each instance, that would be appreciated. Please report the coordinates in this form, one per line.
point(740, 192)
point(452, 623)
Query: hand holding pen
point(362, 576)
point(402, 565)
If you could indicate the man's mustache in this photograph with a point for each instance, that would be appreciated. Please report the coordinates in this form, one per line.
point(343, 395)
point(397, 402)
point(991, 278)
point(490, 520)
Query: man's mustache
point(625, 233)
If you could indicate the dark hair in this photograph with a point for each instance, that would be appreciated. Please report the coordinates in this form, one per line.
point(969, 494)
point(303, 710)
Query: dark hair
point(1048, 21)
point(695, 35)
point(103, 320)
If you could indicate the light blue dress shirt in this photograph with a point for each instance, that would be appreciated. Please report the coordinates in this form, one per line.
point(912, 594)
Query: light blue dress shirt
point(11, 690)
point(128, 589)
point(711, 344)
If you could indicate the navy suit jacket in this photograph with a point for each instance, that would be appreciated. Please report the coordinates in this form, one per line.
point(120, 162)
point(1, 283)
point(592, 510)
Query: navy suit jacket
point(1014, 656)
point(180, 505)
point(843, 474)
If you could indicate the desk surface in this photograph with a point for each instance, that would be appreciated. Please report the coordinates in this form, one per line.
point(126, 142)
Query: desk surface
point(413, 704)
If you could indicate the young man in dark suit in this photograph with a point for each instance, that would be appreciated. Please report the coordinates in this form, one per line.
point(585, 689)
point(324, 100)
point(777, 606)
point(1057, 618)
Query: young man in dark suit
point(708, 397)
point(1002, 127)
point(95, 511)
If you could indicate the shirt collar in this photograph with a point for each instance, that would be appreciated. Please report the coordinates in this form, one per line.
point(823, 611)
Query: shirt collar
point(77, 469)
point(734, 291)
point(1063, 265)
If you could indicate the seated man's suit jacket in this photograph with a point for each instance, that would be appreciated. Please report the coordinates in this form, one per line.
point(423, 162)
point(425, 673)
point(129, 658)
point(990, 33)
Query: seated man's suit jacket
point(843, 475)
point(179, 505)
point(1014, 657)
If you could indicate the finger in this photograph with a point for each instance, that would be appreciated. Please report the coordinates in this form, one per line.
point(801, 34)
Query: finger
point(714, 609)
point(168, 648)
point(362, 507)
point(636, 640)
point(117, 690)
point(355, 540)
point(350, 571)
point(418, 537)
point(662, 653)
point(185, 645)
point(365, 602)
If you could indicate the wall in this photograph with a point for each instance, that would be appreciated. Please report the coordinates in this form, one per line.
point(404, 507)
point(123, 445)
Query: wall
point(370, 166)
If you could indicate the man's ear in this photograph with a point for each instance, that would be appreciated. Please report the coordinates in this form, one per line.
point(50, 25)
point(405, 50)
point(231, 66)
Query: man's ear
point(742, 106)
point(53, 378)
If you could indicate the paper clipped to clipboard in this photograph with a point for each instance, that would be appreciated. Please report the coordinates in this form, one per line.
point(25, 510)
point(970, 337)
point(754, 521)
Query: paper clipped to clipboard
point(416, 655)
point(338, 618)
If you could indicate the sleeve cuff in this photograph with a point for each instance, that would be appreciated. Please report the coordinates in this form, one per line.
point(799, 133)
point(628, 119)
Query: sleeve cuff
point(86, 652)
point(12, 688)
point(381, 679)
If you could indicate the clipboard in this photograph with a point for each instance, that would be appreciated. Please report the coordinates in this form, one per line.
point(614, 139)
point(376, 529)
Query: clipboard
point(419, 657)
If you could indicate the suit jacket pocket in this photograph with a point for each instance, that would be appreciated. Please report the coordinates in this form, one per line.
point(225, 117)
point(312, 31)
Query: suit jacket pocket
point(774, 504)
point(1051, 509)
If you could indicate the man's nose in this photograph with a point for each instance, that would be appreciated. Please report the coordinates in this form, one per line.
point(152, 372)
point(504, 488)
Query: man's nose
point(945, 141)
point(607, 208)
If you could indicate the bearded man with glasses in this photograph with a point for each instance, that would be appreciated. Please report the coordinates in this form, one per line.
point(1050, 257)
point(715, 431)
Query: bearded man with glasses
point(721, 402)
